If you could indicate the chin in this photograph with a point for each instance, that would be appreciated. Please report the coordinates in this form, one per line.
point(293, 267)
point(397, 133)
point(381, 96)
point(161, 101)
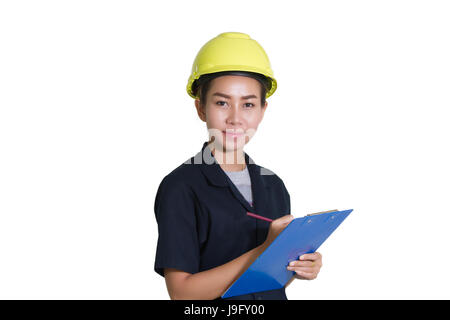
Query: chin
point(233, 145)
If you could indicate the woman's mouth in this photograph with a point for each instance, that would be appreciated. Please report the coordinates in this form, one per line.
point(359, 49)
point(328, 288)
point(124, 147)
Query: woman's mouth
point(232, 133)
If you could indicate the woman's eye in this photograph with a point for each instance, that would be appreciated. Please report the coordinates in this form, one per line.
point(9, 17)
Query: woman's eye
point(223, 103)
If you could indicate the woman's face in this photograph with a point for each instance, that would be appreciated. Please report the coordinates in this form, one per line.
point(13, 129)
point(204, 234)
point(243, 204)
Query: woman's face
point(233, 111)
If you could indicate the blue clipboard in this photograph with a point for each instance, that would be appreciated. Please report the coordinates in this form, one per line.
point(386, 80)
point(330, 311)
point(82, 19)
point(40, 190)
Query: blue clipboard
point(302, 235)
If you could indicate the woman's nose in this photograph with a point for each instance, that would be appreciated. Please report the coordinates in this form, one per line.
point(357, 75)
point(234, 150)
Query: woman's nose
point(234, 116)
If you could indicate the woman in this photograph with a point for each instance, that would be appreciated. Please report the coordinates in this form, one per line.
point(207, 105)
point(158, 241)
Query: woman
point(206, 239)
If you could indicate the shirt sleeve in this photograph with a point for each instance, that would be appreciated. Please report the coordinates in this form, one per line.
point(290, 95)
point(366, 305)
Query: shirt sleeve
point(178, 245)
point(287, 199)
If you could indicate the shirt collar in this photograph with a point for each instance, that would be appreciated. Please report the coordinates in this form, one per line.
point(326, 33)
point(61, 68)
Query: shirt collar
point(217, 177)
point(214, 173)
point(211, 168)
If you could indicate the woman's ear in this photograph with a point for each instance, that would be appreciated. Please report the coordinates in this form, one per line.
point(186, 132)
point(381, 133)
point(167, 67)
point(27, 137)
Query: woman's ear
point(263, 111)
point(200, 110)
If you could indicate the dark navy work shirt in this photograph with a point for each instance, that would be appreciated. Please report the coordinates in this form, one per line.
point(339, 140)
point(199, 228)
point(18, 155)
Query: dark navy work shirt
point(202, 220)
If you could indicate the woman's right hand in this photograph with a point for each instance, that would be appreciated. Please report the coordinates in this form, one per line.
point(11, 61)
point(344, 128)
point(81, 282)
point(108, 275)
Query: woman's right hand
point(276, 226)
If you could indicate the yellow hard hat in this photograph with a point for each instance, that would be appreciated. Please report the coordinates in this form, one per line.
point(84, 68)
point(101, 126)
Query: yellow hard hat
point(231, 51)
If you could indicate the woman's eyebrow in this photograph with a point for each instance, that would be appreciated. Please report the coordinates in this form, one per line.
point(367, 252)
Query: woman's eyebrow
point(228, 97)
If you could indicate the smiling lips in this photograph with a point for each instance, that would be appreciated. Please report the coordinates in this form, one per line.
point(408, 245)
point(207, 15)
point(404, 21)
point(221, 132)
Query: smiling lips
point(233, 133)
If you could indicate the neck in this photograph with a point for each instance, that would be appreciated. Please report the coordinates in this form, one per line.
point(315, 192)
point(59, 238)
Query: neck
point(233, 160)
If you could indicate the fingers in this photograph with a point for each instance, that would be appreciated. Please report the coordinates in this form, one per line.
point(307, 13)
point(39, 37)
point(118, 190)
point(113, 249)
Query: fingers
point(305, 275)
point(311, 256)
point(279, 224)
point(284, 220)
point(302, 269)
point(307, 267)
point(306, 264)
point(308, 273)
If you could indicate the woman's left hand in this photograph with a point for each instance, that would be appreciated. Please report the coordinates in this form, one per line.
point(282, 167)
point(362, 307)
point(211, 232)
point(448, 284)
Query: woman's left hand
point(307, 267)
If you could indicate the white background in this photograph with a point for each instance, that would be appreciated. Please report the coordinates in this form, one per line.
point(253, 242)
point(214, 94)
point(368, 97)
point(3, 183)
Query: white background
point(94, 113)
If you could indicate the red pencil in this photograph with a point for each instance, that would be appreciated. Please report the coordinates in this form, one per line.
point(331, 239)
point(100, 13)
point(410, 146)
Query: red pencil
point(258, 216)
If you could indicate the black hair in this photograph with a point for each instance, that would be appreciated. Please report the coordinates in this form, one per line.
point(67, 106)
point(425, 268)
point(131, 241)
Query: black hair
point(201, 86)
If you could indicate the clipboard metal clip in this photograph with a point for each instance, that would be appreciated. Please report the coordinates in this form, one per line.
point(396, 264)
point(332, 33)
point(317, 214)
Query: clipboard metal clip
point(313, 214)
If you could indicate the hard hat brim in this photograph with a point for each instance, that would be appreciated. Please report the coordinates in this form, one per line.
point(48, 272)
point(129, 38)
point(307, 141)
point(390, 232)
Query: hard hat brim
point(194, 77)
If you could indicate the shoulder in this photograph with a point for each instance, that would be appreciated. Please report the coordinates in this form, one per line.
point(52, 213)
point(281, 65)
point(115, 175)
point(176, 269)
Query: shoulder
point(181, 177)
point(175, 195)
